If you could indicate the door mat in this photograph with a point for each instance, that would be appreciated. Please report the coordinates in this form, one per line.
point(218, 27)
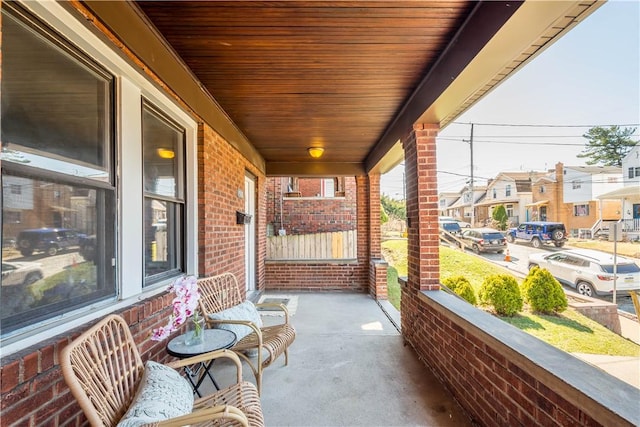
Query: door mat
point(289, 301)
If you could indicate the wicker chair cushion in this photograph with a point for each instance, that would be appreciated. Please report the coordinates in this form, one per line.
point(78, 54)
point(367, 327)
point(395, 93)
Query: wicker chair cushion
point(244, 311)
point(162, 394)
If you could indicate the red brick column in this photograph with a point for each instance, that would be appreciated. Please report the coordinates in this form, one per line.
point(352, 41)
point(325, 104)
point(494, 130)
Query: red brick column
point(422, 225)
point(377, 266)
point(378, 279)
point(422, 207)
point(374, 216)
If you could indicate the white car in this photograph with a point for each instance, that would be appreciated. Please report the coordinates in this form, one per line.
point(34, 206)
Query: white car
point(589, 271)
point(21, 273)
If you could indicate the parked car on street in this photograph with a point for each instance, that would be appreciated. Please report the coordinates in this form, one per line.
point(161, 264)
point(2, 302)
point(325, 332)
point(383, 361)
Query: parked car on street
point(484, 240)
point(463, 224)
point(447, 229)
point(47, 240)
point(589, 271)
point(21, 273)
point(539, 232)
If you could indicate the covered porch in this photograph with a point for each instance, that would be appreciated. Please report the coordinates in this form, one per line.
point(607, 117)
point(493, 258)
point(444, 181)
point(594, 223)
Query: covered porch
point(241, 91)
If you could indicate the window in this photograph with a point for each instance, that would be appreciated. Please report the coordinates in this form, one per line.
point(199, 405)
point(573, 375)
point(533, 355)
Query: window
point(495, 194)
point(541, 189)
point(576, 184)
point(58, 196)
point(67, 255)
point(634, 172)
point(328, 187)
point(580, 210)
point(509, 209)
point(163, 146)
point(507, 190)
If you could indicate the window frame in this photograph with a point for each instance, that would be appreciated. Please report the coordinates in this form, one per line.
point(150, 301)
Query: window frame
point(130, 87)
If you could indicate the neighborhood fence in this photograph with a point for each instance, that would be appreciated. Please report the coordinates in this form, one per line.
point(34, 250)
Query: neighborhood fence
point(318, 246)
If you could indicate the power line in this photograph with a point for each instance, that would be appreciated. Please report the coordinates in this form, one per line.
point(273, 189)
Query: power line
point(522, 136)
point(546, 125)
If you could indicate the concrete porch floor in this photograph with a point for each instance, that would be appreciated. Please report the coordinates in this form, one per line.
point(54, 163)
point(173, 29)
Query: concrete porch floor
point(349, 367)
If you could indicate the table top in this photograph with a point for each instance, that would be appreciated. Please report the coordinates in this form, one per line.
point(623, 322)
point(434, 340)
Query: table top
point(214, 339)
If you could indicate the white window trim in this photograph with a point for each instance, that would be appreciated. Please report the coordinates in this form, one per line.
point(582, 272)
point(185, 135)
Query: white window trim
point(131, 86)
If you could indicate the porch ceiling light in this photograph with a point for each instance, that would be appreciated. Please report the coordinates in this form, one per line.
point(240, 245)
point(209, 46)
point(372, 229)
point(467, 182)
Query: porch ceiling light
point(166, 153)
point(315, 152)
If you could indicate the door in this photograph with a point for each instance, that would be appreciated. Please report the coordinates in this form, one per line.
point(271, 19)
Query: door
point(250, 232)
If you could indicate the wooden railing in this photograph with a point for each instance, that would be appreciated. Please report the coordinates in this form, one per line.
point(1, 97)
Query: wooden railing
point(318, 246)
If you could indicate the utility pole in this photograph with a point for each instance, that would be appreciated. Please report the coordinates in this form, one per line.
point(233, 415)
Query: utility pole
point(473, 219)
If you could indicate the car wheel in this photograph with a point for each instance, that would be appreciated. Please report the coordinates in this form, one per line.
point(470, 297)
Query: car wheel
point(26, 252)
point(535, 242)
point(476, 249)
point(52, 250)
point(585, 289)
point(510, 238)
point(557, 235)
point(31, 278)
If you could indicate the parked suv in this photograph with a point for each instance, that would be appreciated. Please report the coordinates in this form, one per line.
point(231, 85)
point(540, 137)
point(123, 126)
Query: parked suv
point(47, 240)
point(589, 271)
point(484, 240)
point(539, 232)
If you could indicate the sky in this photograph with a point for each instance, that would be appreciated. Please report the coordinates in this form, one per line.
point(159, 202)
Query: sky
point(589, 77)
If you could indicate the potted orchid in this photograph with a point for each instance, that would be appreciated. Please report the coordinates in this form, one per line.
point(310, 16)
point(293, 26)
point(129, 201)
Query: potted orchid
point(185, 306)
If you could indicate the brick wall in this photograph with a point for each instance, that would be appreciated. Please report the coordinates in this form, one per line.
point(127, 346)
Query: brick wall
point(221, 173)
point(308, 215)
point(33, 391)
point(330, 276)
point(495, 380)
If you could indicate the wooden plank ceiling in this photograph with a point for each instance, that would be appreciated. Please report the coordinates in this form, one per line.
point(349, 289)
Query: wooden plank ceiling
point(296, 74)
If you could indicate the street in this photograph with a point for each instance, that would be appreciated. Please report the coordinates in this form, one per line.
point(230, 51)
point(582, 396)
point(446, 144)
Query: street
point(519, 254)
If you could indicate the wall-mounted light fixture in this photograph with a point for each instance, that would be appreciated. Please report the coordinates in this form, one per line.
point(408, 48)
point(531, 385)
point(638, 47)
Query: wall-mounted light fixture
point(315, 152)
point(166, 153)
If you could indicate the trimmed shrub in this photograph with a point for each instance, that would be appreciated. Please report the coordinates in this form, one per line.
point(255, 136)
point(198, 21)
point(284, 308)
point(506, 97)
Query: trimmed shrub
point(461, 286)
point(502, 292)
point(543, 292)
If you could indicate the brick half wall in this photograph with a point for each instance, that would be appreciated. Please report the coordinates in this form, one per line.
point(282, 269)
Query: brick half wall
point(34, 392)
point(503, 376)
point(334, 276)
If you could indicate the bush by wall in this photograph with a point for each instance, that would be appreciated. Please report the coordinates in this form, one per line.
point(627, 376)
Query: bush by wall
point(462, 287)
point(502, 292)
point(543, 292)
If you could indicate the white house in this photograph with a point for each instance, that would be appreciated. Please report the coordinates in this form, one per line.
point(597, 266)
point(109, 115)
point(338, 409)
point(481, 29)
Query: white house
point(629, 194)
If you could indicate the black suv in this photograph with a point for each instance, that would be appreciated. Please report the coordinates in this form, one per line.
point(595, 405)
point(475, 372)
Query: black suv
point(47, 240)
point(539, 232)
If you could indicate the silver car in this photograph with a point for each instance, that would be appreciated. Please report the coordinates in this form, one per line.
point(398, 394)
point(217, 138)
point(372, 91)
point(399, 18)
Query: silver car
point(590, 271)
point(21, 273)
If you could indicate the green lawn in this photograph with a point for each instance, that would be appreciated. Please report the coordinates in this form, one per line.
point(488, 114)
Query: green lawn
point(570, 331)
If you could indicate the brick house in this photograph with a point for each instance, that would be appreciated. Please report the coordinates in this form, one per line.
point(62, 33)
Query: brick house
point(107, 99)
point(570, 194)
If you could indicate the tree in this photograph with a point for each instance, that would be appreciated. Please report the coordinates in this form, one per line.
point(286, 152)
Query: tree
point(384, 218)
point(499, 214)
point(607, 146)
point(394, 208)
